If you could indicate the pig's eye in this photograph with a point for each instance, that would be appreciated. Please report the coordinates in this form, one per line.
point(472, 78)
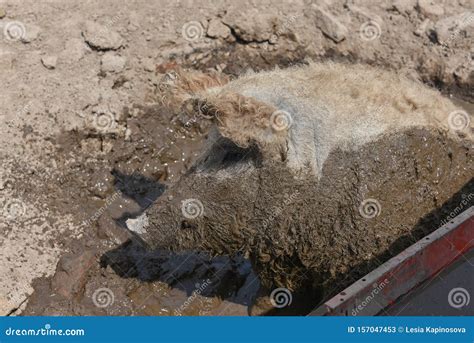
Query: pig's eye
point(233, 156)
point(228, 155)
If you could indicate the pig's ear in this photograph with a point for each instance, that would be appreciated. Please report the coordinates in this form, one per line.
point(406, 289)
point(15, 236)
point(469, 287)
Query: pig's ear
point(178, 85)
point(247, 121)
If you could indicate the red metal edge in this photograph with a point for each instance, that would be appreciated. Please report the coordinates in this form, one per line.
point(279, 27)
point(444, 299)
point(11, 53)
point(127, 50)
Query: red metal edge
point(396, 277)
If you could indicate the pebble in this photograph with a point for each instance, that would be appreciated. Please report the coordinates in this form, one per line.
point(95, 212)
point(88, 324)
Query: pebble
point(217, 29)
point(101, 37)
point(430, 9)
point(149, 64)
point(448, 29)
point(329, 25)
point(404, 6)
point(3, 13)
point(71, 273)
point(260, 29)
point(49, 61)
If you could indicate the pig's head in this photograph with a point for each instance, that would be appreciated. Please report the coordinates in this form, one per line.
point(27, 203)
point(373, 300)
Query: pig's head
point(232, 196)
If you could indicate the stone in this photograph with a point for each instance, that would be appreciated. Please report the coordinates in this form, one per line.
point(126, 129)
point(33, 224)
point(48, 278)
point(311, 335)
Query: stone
point(49, 61)
point(450, 28)
point(101, 37)
point(328, 24)
point(71, 271)
point(112, 63)
point(430, 9)
point(217, 29)
point(404, 6)
point(149, 64)
point(3, 13)
point(424, 28)
point(259, 29)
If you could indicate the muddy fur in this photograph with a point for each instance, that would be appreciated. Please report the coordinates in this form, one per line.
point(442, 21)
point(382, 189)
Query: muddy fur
point(290, 199)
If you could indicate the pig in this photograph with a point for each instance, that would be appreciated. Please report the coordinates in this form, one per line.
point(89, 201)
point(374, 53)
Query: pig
point(312, 172)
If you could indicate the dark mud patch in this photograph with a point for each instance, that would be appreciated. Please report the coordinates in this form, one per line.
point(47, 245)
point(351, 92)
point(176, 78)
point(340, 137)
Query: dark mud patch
point(108, 179)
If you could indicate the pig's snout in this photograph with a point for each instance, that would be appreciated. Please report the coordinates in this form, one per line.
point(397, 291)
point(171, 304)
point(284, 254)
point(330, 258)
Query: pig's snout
point(170, 224)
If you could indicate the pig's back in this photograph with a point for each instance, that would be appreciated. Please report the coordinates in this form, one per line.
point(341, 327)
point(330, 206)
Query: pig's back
point(346, 106)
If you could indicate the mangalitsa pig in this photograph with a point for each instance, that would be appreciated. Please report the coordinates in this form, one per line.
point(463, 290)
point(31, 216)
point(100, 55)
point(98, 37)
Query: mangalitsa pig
point(314, 171)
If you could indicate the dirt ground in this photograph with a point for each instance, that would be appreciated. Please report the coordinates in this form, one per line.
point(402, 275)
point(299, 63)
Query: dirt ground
point(86, 143)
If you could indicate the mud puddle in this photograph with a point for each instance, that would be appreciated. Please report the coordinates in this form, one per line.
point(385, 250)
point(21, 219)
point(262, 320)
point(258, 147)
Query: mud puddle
point(105, 179)
point(108, 180)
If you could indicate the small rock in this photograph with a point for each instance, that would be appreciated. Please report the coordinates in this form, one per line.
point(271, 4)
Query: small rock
point(112, 63)
point(3, 13)
point(101, 37)
point(71, 273)
point(404, 6)
point(149, 64)
point(258, 30)
point(430, 9)
point(217, 29)
point(49, 61)
point(328, 24)
point(450, 28)
point(425, 27)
